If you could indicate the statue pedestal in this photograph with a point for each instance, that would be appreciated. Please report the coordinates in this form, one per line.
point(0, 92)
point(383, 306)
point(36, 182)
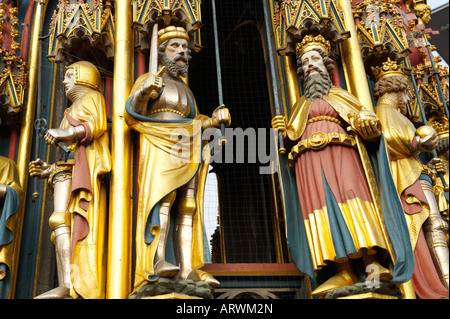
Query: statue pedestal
point(360, 290)
point(369, 295)
point(172, 288)
point(172, 296)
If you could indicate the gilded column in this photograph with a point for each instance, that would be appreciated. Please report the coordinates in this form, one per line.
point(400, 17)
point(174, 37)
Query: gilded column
point(352, 61)
point(291, 80)
point(119, 241)
point(26, 131)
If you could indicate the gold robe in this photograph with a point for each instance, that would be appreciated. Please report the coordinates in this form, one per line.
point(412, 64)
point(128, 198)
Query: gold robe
point(363, 218)
point(165, 164)
point(405, 167)
point(88, 256)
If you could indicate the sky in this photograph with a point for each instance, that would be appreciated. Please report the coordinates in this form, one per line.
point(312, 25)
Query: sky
point(433, 5)
point(436, 3)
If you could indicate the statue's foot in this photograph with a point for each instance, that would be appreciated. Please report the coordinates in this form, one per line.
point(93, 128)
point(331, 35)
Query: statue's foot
point(185, 274)
point(166, 269)
point(198, 275)
point(60, 292)
point(378, 271)
point(341, 279)
point(213, 282)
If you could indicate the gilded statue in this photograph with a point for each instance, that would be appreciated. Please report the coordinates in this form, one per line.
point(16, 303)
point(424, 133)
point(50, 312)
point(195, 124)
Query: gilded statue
point(11, 195)
point(412, 180)
point(172, 166)
point(337, 220)
point(442, 167)
point(79, 216)
point(423, 12)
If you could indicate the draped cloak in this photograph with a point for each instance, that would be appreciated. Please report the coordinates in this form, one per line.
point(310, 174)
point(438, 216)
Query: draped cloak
point(406, 170)
point(347, 209)
point(170, 156)
point(88, 196)
point(9, 223)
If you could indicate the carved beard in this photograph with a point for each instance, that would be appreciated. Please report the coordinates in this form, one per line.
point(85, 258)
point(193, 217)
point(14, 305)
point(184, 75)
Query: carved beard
point(174, 69)
point(317, 84)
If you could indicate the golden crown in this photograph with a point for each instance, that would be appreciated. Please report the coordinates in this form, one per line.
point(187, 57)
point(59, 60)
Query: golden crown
point(171, 32)
point(388, 68)
point(310, 42)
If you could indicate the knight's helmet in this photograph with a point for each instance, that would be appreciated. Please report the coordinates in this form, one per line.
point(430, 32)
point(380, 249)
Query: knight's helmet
point(86, 73)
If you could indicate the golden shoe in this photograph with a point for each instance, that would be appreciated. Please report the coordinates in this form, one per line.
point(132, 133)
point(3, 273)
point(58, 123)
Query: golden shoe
point(166, 269)
point(380, 272)
point(344, 277)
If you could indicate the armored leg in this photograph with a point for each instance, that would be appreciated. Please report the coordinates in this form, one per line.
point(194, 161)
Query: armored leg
point(183, 235)
point(60, 224)
point(183, 229)
point(162, 267)
point(435, 229)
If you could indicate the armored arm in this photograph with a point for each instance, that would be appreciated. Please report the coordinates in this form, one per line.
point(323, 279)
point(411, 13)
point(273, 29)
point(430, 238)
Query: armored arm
point(148, 90)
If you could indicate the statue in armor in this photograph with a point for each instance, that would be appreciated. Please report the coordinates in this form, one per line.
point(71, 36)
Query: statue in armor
point(172, 166)
point(441, 166)
point(11, 195)
point(337, 222)
point(79, 218)
point(413, 180)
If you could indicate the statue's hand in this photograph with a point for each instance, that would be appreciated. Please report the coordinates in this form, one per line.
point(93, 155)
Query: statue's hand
point(153, 84)
point(367, 125)
point(55, 135)
point(220, 115)
point(279, 123)
point(427, 138)
point(39, 168)
point(72, 134)
point(437, 165)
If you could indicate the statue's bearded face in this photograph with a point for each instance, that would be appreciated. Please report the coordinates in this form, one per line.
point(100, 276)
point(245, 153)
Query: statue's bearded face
point(317, 81)
point(175, 56)
point(312, 61)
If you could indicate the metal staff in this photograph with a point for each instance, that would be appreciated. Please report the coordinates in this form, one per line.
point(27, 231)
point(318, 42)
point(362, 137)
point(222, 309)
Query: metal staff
point(36, 193)
point(281, 149)
point(422, 112)
point(219, 73)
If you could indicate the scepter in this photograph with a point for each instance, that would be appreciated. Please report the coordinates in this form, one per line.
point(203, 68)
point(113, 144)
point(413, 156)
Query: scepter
point(219, 73)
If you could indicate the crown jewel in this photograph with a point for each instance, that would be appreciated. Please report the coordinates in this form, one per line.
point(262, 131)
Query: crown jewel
point(310, 42)
point(388, 68)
